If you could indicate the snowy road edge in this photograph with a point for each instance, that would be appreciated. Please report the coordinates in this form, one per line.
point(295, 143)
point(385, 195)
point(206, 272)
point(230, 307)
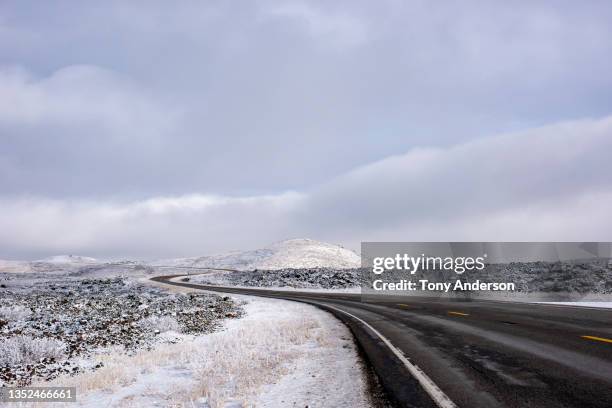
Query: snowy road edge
point(431, 389)
point(436, 394)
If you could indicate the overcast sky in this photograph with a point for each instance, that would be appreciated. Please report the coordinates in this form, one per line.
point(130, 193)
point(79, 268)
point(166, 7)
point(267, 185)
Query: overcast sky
point(158, 129)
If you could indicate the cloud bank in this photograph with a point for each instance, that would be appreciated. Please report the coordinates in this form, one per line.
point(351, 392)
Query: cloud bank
point(548, 183)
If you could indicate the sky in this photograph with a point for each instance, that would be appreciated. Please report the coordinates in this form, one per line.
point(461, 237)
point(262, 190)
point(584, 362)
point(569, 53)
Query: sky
point(165, 129)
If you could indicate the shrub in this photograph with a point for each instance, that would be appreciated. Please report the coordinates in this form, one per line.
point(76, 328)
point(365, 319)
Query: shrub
point(14, 313)
point(161, 323)
point(27, 350)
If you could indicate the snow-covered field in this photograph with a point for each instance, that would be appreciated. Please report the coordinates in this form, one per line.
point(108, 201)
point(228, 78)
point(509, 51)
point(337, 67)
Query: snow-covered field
point(276, 353)
point(279, 354)
point(292, 278)
point(52, 327)
point(205, 281)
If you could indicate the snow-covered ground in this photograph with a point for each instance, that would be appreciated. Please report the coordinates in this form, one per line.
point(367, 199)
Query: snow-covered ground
point(278, 288)
point(293, 253)
point(279, 354)
point(52, 327)
point(605, 305)
point(313, 278)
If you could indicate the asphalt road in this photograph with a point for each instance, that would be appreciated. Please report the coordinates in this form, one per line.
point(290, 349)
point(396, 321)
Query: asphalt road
point(473, 353)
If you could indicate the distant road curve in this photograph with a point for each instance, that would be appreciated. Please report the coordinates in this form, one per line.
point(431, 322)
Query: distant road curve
point(431, 352)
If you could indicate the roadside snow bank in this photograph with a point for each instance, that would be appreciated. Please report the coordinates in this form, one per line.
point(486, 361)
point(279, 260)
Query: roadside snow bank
point(325, 371)
point(604, 305)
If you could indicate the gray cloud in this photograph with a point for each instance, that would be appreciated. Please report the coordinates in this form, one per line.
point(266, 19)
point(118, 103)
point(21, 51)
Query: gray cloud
point(280, 95)
point(548, 183)
point(554, 162)
point(105, 108)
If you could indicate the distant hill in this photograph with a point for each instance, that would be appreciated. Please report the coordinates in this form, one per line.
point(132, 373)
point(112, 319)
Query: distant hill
point(53, 263)
point(69, 259)
point(293, 253)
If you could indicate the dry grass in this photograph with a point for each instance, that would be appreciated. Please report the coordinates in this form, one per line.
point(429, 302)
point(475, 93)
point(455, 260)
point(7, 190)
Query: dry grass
point(227, 365)
point(254, 354)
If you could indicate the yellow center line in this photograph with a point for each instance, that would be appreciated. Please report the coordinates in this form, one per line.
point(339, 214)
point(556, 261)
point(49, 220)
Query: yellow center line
point(597, 339)
point(403, 305)
point(458, 313)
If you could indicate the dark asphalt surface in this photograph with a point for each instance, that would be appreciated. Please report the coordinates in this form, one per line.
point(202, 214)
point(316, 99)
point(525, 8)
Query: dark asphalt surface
point(479, 353)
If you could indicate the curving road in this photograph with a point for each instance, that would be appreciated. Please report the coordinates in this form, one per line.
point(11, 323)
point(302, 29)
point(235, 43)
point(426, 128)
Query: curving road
point(444, 353)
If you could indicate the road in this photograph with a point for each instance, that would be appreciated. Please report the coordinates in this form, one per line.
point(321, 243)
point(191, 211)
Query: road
point(430, 352)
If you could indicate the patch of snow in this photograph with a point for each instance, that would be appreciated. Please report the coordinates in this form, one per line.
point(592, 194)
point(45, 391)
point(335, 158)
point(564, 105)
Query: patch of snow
point(605, 305)
point(157, 387)
point(321, 377)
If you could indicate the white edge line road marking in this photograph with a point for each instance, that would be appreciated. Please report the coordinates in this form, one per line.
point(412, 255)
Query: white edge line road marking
point(439, 397)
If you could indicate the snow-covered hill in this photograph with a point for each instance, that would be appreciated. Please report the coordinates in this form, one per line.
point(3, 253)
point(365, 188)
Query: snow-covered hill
point(69, 259)
point(294, 253)
point(14, 266)
point(56, 263)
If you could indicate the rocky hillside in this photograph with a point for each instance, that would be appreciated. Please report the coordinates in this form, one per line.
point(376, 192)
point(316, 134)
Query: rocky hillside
point(313, 278)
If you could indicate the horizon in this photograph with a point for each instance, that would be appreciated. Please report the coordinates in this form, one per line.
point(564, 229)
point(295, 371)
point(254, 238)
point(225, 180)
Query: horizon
point(229, 252)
